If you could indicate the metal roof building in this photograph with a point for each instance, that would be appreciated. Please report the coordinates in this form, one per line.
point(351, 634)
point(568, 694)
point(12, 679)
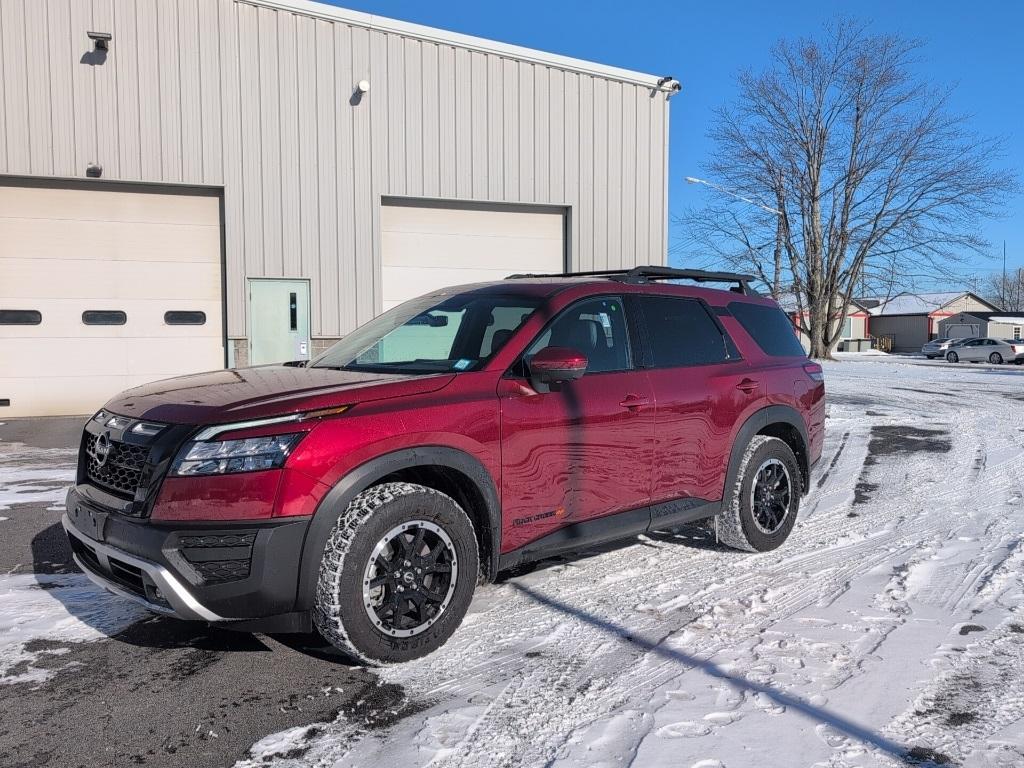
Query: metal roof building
point(188, 185)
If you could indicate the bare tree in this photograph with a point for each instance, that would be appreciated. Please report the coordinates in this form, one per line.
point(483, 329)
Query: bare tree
point(875, 180)
point(1006, 292)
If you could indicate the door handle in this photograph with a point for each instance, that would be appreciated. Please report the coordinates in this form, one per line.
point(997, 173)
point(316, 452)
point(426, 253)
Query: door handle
point(633, 402)
point(748, 386)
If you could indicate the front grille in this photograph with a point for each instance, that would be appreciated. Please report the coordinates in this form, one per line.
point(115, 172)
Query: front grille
point(122, 470)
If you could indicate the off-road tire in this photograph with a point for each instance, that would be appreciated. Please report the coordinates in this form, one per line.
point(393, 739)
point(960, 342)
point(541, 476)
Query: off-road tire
point(736, 525)
point(338, 611)
point(952, 357)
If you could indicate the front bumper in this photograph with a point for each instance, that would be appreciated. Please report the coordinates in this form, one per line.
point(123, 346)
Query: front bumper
point(199, 572)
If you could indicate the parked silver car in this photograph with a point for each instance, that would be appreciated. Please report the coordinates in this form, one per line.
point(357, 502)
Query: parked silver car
point(991, 350)
point(939, 347)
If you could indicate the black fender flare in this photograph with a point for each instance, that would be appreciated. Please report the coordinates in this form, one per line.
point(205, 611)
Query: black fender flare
point(759, 420)
point(367, 474)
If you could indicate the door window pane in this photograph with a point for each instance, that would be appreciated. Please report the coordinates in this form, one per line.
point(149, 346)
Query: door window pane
point(681, 332)
point(20, 317)
point(180, 317)
point(104, 317)
point(595, 327)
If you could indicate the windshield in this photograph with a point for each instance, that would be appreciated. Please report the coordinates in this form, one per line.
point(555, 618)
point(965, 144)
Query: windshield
point(432, 334)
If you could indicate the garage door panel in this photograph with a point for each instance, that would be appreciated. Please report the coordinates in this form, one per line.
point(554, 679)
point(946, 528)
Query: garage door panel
point(403, 283)
point(426, 248)
point(406, 249)
point(62, 318)
point(111, 206)
point(508, 221)
point(88, 279)
point(106, 241)
point(65, 252)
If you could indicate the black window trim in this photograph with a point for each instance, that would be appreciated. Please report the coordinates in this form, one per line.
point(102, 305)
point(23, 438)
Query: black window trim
point(35, 314)
point(519, 364)
point(120, 312)
point(648, 352)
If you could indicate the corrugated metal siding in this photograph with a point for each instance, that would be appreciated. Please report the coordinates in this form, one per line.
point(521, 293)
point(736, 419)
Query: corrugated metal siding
point(219, 92)
point(909, 332)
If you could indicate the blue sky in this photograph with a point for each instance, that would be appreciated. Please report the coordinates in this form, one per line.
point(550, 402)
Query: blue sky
point(974, 46)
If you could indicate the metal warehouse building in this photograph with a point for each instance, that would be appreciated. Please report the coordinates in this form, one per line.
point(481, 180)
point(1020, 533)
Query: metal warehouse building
point(189, 184)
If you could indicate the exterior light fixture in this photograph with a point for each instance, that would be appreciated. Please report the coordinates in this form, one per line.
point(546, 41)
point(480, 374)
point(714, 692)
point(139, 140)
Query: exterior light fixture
point(101, 40)
point(363, 86)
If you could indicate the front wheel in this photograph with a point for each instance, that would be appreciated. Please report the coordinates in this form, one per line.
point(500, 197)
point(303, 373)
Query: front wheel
point(397, 574)
point(762, 505)
point(952, 357)
point(995, 358)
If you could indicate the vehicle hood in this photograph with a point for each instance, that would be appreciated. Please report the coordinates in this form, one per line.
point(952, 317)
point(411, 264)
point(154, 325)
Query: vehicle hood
point(219, 397)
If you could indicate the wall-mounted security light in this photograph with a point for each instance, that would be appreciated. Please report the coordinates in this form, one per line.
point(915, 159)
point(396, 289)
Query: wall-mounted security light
point(363, 86)
point(94, 170)
point(100, 40)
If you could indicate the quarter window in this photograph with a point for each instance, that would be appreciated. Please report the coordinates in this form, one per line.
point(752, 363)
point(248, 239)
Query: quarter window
point(682, 332)
point(104, 317)
point(597, 328)
point(20, 317)
point(769, 327)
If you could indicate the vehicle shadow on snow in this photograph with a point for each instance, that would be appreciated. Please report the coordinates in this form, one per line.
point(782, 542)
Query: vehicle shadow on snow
point(916, 755)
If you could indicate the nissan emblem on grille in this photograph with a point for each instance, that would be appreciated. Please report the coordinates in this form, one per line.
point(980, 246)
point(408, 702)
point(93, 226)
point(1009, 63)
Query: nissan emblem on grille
point(102, 449)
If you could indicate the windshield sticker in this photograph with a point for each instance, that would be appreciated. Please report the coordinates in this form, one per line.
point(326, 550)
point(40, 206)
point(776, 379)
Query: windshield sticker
point(461, 365)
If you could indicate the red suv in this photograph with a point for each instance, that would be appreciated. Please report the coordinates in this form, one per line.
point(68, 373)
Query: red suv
point(456, 436)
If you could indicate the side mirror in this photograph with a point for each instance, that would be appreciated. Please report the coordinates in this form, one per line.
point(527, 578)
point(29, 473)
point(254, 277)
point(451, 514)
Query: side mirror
point(554, 365)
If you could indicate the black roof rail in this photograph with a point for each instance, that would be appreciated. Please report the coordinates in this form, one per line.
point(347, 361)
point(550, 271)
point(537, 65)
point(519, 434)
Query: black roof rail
point(651, 273)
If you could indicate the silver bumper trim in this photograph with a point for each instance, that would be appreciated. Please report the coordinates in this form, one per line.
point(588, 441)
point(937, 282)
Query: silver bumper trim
point(182, 603)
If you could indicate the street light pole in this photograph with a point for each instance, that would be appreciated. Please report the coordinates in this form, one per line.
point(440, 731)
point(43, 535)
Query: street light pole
point(724, 191)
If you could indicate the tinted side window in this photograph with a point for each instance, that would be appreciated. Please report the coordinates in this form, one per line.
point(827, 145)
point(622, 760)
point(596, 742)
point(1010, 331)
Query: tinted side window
point(597, 328)
point(681, 332)
point(769, 327)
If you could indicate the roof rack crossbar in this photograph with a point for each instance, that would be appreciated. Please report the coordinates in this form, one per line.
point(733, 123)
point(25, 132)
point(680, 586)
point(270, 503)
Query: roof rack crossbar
point(650, 273)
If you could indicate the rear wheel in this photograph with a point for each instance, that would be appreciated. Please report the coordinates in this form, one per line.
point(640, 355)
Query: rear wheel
point(995, 358)
point(762, 505)
point(952, 357)
point(397, 574)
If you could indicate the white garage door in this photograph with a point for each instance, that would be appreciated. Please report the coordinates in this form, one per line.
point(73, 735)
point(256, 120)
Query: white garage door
point(102, 290)
point(426, 247)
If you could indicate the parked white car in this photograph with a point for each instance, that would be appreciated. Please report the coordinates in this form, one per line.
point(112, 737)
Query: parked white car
point(994, 351)
point(939, 347)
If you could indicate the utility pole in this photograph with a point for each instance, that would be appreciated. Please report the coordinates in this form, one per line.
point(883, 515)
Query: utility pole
point(1002, 285)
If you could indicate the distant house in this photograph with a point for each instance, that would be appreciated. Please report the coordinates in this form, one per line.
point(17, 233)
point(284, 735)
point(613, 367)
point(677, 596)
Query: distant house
point(993, 325)
point(855, 324)
point(911, 319)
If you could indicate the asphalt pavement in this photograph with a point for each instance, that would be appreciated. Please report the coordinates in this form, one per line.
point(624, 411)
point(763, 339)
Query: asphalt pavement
point(162, 692)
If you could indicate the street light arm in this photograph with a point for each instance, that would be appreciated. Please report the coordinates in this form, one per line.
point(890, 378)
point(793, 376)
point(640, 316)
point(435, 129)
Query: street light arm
point(723, 190)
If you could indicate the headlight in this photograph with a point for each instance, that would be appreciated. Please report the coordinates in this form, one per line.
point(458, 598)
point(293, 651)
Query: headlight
point(221, 457)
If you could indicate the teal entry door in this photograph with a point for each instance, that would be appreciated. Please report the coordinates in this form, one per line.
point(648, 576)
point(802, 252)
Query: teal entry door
point(278, 321)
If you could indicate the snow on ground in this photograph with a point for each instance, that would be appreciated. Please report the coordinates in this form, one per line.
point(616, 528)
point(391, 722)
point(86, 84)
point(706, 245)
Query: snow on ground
point(56, 609)
point(35, 475)
point(889, 629)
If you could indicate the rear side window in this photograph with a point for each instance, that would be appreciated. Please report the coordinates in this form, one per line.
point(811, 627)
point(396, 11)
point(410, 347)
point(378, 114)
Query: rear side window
point(769, 327)
point(681, 332)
